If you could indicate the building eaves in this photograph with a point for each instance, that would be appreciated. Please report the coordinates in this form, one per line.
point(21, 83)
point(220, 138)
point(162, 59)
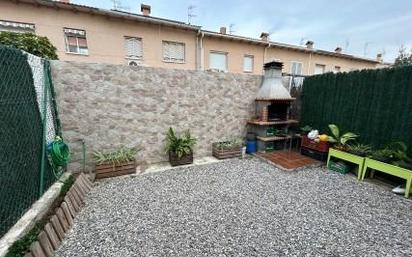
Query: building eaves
point(111, 13)
point(285, 46)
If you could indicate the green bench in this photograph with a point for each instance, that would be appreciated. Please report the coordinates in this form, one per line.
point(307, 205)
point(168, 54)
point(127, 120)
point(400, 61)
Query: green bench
point(388, 169)
point(349, 158)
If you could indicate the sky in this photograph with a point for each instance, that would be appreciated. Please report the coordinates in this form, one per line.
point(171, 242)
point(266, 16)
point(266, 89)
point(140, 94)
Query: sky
point(361, 27)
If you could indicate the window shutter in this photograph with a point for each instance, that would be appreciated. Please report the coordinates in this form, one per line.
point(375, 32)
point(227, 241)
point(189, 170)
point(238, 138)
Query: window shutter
point(248, 63)
point(173, 51)
point(218, 61)
point(134, 48)
point(179, 52)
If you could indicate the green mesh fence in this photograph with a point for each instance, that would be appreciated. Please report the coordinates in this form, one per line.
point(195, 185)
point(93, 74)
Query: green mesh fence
point(23, 81)
point(376, 104)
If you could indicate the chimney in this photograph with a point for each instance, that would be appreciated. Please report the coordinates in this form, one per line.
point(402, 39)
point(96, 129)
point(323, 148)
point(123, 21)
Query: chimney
point(309, 44)
point(338, 50)
point(145, 9)
point(223, 30)
point(379, 57)
point(264, 36)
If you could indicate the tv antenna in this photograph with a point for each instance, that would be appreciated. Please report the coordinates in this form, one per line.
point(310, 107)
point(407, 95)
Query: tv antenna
point(346, 45)
point(118, 6)
point(190, 14)
point(365, 48)
point(231, 30)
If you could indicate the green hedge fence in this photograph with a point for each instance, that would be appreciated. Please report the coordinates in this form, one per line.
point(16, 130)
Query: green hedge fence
point(376, 104)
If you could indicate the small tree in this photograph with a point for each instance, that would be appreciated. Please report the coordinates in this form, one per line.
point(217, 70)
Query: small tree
point(403, 58)
point(30, 43)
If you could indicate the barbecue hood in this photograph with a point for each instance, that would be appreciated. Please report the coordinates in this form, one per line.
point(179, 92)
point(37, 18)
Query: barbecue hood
point(272, 87)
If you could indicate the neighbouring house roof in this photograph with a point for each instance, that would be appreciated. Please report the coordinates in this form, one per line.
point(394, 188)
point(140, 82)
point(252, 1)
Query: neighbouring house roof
point(111, 13)
point(183, 25)
point(286, 46)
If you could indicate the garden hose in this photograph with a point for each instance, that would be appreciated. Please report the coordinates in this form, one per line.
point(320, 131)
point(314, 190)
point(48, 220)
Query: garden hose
point(59, 155)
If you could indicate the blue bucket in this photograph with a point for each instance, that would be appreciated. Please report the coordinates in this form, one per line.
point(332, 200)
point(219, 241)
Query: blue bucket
point(251, 146)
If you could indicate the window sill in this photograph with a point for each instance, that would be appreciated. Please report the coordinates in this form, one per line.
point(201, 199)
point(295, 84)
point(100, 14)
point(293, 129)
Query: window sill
point(134, 58)
point(247, 71)
point(176, 62)
point(71, 53)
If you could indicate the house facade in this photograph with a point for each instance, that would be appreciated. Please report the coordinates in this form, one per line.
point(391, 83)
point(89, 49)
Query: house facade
point(88, 34)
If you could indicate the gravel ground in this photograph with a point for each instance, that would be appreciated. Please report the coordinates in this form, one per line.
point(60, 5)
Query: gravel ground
point(241, 208)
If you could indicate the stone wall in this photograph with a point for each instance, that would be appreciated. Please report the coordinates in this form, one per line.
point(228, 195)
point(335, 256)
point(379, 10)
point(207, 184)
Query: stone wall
point(113, 105)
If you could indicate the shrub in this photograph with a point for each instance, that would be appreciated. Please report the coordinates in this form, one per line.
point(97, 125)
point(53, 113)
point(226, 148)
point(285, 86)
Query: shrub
point(30, 43)
point(121, 155)
point(180, 145)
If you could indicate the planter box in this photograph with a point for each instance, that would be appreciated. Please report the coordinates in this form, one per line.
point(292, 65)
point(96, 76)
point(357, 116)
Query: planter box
point(176, 161)
point(113, 170)
point(391, 170)
point(226, 153)
point(317, 146)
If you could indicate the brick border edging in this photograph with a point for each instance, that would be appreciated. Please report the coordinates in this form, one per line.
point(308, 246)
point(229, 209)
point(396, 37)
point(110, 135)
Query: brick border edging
point(60, 223)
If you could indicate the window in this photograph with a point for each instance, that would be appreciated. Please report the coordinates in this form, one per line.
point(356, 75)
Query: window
point(173, 52)
point(14, 26)
point(248, 63)
point(296, 69)
point(319, 69)
point(218, 61)
point(76, 42)
point(337, 69)
point(134, 48)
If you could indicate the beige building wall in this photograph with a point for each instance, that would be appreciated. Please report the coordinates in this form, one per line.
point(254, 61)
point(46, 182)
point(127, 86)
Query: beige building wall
point(236, 51)
point(106, 43)
point(105, 36)
point(309, 61)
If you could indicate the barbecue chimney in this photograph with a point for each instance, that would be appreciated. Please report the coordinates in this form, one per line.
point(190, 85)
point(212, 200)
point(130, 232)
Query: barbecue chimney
point(272, 87)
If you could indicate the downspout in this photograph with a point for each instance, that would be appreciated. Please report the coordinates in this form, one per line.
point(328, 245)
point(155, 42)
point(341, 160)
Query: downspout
point(264, 54)
point(201, 50)
point(309, 65)
point(197, 51)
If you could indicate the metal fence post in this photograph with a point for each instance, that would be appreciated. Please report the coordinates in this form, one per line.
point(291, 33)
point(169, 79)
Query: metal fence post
point(44, 113)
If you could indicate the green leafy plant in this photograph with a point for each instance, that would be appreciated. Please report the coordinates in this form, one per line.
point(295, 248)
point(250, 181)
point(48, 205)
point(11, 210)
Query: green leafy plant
point(229, 145)
point(121, 155)
point(306, 129)
point(360, 149)
point(393, 153)
point(179, 145)
point(340, 141)
point(30, 43)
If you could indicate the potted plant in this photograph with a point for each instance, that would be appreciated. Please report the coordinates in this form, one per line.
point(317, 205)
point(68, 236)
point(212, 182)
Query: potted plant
point(179, 148)
point(119, 162)
point(360, 149)
point(227, 149)
point(400, 154)
point(383, 155)
point(340, 141)
point(306, 129)
point(391, 153)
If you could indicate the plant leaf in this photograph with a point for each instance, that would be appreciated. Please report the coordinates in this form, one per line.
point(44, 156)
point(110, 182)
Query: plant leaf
point(335, 131)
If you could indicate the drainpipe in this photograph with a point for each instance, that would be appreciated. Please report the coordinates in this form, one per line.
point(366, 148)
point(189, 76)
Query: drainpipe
point(201, 50)
point(310, 60)
point(264, 54)
point(197, 50)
